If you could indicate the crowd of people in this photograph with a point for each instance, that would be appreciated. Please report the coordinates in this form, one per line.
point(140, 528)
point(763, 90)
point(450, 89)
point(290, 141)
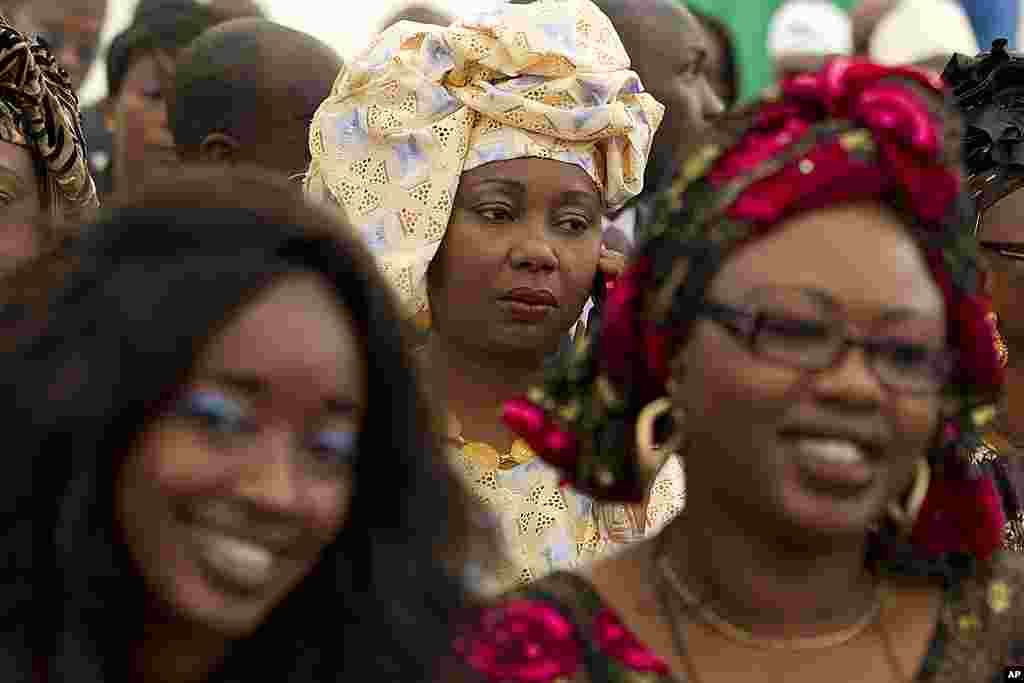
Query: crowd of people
point(525, 346)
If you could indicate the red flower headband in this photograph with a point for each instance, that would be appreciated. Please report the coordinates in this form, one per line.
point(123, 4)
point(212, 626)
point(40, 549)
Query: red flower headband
point(853, 130)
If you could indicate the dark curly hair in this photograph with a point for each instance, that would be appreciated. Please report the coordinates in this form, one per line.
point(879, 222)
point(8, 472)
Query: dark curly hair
point(149, 284)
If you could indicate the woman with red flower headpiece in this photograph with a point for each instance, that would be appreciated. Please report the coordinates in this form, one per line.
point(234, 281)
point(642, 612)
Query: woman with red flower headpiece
point(987, 91)
point(805, 323)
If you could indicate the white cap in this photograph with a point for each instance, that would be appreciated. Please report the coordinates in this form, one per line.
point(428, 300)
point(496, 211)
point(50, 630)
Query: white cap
point(919, 30)
point(809, 27)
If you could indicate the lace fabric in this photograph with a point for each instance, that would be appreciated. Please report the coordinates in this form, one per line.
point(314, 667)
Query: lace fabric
point(546, 528)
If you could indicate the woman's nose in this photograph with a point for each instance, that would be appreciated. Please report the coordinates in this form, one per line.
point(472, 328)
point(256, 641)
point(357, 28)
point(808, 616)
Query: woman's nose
point(270, 479)
point(534, 251)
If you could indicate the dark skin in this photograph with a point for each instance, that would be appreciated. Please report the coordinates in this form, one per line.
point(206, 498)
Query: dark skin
point(669, 50)
point(771, 551)
point(533, 223)
point(719, 77)
point(71, 27)
point(293, 362)
point(20, 205)
point(137, 117)
point(1001, 223)
point(296, 73)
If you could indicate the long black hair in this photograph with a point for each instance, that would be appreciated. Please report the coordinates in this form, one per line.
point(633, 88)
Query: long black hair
point(153, 280)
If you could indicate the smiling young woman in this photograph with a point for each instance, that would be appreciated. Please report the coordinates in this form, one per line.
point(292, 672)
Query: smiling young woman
point(225, 467)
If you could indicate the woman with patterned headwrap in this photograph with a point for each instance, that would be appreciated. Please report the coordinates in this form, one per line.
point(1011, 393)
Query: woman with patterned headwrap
point(43, 174)
point(987, 90)
point(478, 161)
point(806, 321)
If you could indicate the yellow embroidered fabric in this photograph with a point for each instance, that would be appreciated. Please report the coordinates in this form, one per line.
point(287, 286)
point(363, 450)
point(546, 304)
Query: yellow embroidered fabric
point(424, 103)
point(544, 527)
point(668, 495)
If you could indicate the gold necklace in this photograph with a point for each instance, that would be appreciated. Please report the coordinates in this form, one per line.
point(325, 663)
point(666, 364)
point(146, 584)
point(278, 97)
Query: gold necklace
point(487, 455)
point(669, 578)
point(744, 637)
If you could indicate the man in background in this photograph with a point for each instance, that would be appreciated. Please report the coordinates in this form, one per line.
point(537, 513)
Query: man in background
point(670, 51)
point(150, 15)
point(245, 92)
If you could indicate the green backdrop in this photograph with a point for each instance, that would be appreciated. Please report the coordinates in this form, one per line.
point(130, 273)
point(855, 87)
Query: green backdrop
point(748, 21)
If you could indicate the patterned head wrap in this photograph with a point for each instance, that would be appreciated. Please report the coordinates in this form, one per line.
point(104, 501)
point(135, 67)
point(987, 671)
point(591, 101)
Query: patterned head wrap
point(989, 91)
point(852, 131)
point(546, 79)
point(39, 110)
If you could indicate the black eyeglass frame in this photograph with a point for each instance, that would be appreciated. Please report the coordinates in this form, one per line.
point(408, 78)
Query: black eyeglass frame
point(745, 326)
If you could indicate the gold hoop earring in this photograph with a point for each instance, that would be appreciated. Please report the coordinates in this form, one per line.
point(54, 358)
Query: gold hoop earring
point(904, 516)
point(1001, 348)
point(651, 455)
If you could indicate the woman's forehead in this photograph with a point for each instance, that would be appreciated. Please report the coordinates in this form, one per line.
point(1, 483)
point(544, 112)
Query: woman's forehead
point(861, 255)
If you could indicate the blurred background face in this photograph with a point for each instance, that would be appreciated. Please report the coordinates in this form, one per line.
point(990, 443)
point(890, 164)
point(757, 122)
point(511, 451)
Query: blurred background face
point(228, 501)
point(1004, 223)
point(519, 257)
point(821, 453)
point(670, 51)
point(70, 27)
point(20, 204)
point(138, 119)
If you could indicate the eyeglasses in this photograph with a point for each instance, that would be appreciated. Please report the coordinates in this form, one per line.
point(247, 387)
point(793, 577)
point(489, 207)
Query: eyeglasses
point(790, 332)
point(1010, 250)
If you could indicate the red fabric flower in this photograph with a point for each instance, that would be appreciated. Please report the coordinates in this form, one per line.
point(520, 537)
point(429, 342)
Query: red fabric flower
point(523, 641)
point(960, 514)
point(617, 642)
point(970, 332)
point(976, 341)
point(556, 446)
point(620, 334)
point(901, 125)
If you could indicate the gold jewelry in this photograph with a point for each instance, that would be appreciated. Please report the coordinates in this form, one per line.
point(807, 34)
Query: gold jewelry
point(488, 456)
point(1001, 348)
point(904, 516)
point(744, 637)
point(484, 453)
point(650, 454)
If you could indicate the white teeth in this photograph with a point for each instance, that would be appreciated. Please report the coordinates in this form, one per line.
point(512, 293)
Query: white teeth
point(832, 450)
point(240, 561)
